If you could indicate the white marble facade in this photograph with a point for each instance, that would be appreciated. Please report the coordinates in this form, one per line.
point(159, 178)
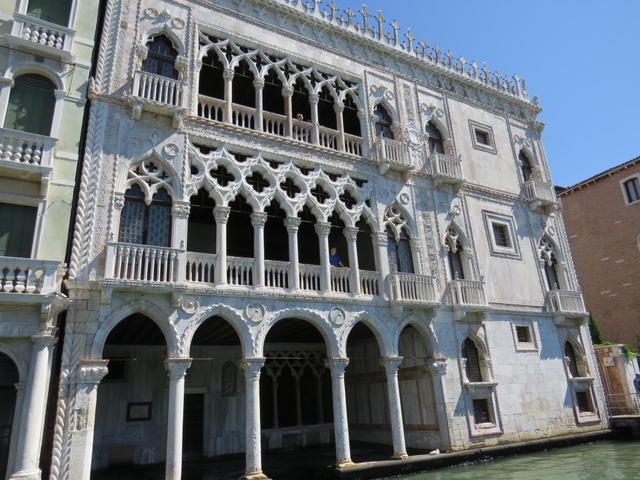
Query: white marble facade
point(475, 331)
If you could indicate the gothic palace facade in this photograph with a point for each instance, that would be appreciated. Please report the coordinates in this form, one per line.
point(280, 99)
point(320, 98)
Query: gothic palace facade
point(300, 226)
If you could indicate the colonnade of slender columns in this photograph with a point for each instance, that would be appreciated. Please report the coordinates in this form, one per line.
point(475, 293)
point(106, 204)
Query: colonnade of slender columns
point(176, 369)
point(253, 447)
point(287, 95)
point(337, 367)
point(391, 365)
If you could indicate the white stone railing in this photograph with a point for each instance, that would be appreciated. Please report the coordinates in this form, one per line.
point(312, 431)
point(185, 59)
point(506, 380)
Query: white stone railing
point(310, 277)
point(26, 148)
point(201, 267)
point(240, 271)
point(394, 152)
point(564, 301)
point(26, 275)
point(144, 263)
point(537, 190)
point(210, 108)
point(409, 288)
point(340, 279)
point(369, 282)
point(42, 32)
point(353, 144)
point(274, 123)
point(328, 138)
point(276, 274)
point(158, 89)
point(467, 293)
point(446, 166)
point(242, 116)
point(302, 131)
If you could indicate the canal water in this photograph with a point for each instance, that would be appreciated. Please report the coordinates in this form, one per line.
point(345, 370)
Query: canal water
point(606, 460)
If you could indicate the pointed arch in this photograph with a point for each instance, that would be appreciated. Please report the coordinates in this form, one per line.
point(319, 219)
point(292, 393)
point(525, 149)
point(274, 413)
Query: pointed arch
point(525, 161)
point(164, 29)
point(239, 325)
point(384, 341)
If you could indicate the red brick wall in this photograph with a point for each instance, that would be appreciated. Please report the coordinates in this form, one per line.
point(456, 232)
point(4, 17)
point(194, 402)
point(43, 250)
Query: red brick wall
point(604, 233)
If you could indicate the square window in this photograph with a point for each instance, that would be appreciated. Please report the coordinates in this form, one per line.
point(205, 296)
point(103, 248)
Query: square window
point(523, 333)
point(17, 228)
point(585, 405)
point(631, 189)
point(482, 137)
point(501, 235)
point(481, 412)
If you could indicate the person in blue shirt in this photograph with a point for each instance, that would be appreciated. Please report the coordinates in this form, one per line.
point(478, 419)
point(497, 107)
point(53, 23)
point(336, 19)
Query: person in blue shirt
point(334, 259)
point(636, 383)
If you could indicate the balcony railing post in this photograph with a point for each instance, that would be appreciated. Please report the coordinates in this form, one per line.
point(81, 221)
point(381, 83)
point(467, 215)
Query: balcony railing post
point(322, 230)
point(293, 225)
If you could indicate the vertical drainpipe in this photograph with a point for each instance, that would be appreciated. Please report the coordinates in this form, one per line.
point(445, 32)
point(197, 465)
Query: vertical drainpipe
point(56, 364)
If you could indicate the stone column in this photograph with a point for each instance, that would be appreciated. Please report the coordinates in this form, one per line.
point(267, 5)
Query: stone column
point(391, 365)
point(27, 464)
point(351, 234)
point(314, 98)
point(258, 220)
point(180, 229)
point(252, 367)
point(287, 94)
point(340, 421)
point(293, 225)
point(382, 259)
point(90, 374)
point(322, 230)
point(16, 427)
point(228, 75)
point(258, 83)
point(367, 143)
point(176, 368)
point(339, 109)
point(438, 369)
point(221, 215)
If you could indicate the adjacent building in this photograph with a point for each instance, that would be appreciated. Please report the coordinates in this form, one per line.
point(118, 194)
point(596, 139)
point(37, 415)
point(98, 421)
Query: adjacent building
point(45, 58)
point(602, 215)
point(299, 226)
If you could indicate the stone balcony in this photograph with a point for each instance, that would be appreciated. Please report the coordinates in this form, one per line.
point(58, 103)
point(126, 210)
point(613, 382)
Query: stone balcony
point(446, 169)
point(566, 305)
point(158, 94)
point(27, 280)
point(161, 267)
point(408, 289)
point(467, 296)
point(42, 37)
point(539, 194)
point(393, 155)
point(26, 156)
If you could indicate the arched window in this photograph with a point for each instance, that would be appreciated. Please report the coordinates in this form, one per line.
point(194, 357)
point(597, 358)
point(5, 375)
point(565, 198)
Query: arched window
point(146, 225)
point(454, 255)
point(31, 105)
point(301, 108)
point(472, 361)
point(326, 112)
point(525, 165)
point(161, 59)
point(350, 117)
point(55, 12)
point(211, 81)
point(399, 251)
point(383, 122)
point(436, 145)
point(272, 99)
point(243, 91)
point(548, 256)
point(571, 359)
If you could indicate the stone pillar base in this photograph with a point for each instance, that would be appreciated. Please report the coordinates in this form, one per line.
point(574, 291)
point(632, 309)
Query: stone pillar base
point(28, 475)
point(254, 476)
point(343, 465)
point(401, 456)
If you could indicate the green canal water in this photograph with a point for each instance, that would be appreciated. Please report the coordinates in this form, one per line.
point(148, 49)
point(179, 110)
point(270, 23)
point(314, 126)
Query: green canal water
point(606, 460)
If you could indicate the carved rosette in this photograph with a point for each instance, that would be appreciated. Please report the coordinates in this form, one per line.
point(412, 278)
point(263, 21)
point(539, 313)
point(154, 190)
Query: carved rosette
point(177, 367)
point(255, 313)
point(337, 316)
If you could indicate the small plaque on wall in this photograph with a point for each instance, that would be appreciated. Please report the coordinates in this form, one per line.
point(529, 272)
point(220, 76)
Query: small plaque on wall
point(139, 412)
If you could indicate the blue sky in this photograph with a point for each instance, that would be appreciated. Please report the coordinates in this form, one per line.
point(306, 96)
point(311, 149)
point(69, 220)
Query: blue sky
point(580, 57)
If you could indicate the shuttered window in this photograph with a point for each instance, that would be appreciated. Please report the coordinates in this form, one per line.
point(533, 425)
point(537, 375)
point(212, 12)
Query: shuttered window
point(31, 104)
point(54, 11)
point(17, 226)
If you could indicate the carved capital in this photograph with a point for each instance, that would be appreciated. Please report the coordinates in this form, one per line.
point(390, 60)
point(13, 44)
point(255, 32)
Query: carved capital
point(391, 364)
point(287, 91)
point(221, 214)
point(252, 368)
point(380, 239)
point(118, 201)
point(43, 340)
point(292, 224)
point(180, 210)
point(258, 219)
point(228, 74)
point(177, 367)
point(258, 82)
point(181, 64)
point(437, 366)
point(337, 365)
point(314, 98)
point(322, 229)
point(91, 372)
point(351, 233)
point(338, 107)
